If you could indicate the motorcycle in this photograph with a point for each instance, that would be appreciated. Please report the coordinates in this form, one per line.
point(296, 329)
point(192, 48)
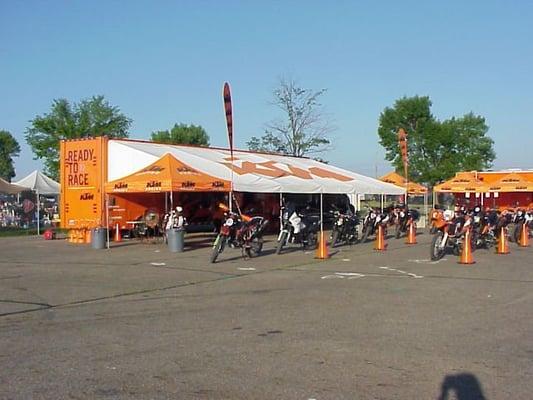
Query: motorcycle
point(403, 220)
point(449, 236)
point(298, 228)
point(520, 218)
point(345, 229)
point(240, 231)
point(484, 233)
point(372, 220)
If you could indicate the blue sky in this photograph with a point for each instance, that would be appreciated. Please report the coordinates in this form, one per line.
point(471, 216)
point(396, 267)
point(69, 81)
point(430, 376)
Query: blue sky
point(165, 62)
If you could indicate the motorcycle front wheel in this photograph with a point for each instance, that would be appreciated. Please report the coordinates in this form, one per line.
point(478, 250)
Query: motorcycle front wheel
point(366, 233)
point(398, 232)
point(256, 247)
point(437, 252)
point(335, 238)
point(218, 247)
point(281, 242)
point(312, 241)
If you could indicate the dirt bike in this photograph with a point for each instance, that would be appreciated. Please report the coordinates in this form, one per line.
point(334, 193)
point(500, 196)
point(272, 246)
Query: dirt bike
point(520, 218)
point(240, 231)
point(345, 229)
point(437, 216)
point(449, 237)
point(372, 220)
point(403, 220)
point(307, 237)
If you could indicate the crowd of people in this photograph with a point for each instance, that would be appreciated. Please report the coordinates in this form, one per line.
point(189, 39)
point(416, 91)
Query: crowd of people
point(23, 213)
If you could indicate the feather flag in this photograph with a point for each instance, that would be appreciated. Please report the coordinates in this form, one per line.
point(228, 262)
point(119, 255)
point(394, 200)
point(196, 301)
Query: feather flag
point(402, 139)
point(229, 116)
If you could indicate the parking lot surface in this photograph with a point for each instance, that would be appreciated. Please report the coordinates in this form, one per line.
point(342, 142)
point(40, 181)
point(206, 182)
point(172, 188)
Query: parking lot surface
point(139, 322)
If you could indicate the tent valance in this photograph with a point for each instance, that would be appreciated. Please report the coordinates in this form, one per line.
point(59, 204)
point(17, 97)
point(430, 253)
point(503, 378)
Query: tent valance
point(398, 180)
point(166, 175)
point(252, 172)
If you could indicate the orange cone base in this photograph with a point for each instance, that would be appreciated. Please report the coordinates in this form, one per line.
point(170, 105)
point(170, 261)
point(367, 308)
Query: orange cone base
point(380, 244)
point(322, 249)
point(466, 254)
point(411, 235)
point(524, 236)
point(88, 236)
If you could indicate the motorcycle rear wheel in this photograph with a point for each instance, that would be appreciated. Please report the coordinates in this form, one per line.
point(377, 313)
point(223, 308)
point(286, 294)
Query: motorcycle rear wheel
point(398, 232)
point(256, 247)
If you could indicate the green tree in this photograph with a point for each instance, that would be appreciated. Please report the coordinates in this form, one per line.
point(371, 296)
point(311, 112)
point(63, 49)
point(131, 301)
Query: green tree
point(437, 149)
point(304, 128)
point(182, 134)
point(88, 118)
point(9, 148)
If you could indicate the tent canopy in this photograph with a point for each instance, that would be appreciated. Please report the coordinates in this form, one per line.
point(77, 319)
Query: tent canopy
point(10, 188)
point(252, 172)
point(39, 182)
point(398, 180)
point(165, 175)
point(462, 182)
point(511, 183)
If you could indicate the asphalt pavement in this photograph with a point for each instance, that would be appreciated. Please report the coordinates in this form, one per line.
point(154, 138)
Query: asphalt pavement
point(139, 322)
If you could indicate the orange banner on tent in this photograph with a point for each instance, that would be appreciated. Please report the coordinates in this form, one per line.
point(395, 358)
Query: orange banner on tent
point(165, 175)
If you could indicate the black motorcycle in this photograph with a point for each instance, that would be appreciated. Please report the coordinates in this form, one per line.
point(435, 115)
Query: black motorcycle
point(483, 229)
point(402, 220)
point(307, 237)
point(240, 231)
point(345, 229)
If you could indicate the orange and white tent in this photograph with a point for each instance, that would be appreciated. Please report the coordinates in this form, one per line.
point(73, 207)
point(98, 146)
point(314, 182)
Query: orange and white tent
point(251, 172)
point(462, 182)
point(512, 182)
point(398, 180)
point(167, 174)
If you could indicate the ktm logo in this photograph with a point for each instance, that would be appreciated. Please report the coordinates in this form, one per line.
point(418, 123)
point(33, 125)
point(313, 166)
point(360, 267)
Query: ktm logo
point(188, 184)
point(268, 168)
point(153, 170)
point(153, 185)
point(120, 185)
point(217, 184)
point(87, 196)
point(186, 170)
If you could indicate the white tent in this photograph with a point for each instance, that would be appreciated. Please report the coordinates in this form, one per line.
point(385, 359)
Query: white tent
point(40, 184)
point(252, 172)
point(10, 188)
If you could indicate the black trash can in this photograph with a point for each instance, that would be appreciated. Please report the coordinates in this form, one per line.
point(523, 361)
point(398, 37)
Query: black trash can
point(98, 238)
point(176, 240)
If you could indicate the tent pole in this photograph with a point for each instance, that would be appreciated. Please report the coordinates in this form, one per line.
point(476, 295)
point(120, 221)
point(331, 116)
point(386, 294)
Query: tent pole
point(321, 216)
point(38, 212)
point(107, 218)
point(280, 211)
point(381, 202)
point(171, 200)
point(166, 202)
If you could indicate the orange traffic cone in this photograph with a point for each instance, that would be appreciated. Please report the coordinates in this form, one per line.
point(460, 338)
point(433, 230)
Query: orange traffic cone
point(466, 254)
point(380, 240)
point(503, 245)
point(118, 236)
point(322, 249)
point(70, 237)
point(79, 236)
point(411, 234)
point(88, 234)
point(524, 236)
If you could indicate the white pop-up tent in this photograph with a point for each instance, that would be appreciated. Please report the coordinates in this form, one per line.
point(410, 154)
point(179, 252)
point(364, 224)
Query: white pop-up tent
point(249, 171)
point(40, 184)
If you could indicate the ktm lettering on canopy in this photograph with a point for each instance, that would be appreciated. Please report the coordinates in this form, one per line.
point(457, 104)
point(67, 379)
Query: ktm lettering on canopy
point(271, 170)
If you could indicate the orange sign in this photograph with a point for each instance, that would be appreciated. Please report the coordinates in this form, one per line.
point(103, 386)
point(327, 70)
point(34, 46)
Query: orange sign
point(82, 169)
